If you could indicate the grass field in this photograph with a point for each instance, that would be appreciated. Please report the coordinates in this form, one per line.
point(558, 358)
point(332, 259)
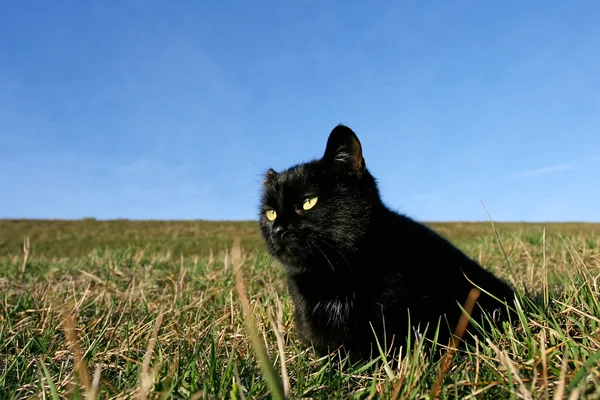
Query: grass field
point(126, 309)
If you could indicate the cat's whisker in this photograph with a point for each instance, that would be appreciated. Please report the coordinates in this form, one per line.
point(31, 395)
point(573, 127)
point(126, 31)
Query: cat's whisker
point(324, 255)
point(338, 251)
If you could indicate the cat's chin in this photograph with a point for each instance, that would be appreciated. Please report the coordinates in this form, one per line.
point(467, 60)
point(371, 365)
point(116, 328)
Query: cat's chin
point(288, 256)
point(293, 260)
point(293, 267)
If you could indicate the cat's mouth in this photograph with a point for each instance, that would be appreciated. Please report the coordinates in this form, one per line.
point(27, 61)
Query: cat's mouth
point(286, 254)
point(288, 248)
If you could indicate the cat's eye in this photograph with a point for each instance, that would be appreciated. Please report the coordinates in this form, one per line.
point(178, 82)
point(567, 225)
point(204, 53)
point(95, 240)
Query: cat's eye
point(271, 215)
point(309, 203)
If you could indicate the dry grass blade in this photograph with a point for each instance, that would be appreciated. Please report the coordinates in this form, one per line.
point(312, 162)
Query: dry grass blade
point(510, 268)
point(560, 387)
point(461, 327)
point(278, 330)
point(575, 394)
point(117, 274)
point(198, 395)
point(26, 247)
point(544, 364)
point(263, 358)
point(80, 365)
point(510, 366)
point(95, 382)
point(146, 377)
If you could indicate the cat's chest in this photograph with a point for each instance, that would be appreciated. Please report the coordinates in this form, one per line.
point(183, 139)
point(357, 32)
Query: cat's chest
point(335, 312)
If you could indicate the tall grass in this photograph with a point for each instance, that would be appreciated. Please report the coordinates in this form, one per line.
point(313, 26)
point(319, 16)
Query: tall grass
point(137, 321)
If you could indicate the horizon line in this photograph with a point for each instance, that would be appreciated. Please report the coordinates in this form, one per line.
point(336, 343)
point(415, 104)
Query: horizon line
point(448, 221)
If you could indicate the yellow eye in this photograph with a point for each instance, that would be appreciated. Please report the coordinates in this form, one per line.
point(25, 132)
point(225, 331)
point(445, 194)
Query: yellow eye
point(310, 203)
point(271, 215)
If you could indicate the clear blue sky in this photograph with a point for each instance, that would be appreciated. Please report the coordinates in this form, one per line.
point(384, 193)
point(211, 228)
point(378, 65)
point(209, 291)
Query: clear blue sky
point(173, 110)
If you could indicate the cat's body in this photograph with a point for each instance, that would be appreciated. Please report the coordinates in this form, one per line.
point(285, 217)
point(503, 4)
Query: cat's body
point(354, 266)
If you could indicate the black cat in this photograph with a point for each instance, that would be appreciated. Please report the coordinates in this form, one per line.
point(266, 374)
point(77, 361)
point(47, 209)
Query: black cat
point(354, 266)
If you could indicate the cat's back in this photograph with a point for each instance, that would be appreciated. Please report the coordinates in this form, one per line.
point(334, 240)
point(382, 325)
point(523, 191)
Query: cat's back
point(404, 239)
point(427, 263)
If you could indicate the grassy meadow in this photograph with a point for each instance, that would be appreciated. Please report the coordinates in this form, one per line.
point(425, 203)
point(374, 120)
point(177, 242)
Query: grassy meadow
point(149, 309)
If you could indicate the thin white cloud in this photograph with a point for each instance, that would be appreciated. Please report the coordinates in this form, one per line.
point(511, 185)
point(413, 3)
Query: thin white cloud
point(542, 171)
point(553, 168)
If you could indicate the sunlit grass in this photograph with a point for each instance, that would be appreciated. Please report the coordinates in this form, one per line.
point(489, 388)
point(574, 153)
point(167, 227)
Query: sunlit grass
point(159, 314)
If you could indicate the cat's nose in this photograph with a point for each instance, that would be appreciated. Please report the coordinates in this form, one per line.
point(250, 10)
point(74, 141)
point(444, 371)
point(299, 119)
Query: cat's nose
point(279, 231)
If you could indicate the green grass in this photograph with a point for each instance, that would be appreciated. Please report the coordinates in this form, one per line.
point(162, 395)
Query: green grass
point(156, 311)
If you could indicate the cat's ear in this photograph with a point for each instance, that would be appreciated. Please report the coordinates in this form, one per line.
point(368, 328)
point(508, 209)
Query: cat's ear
point(344, 152)
point(269, 176)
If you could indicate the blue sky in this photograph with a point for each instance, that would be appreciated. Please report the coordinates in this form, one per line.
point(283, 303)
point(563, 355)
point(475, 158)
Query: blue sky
point(173, 110)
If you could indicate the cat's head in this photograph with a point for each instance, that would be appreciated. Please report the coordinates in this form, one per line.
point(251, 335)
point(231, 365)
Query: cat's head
point(317, 211)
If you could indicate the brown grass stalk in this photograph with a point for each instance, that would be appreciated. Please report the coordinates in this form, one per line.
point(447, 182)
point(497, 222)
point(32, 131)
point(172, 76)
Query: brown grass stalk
point(278, 330)
point(146, 377)
point(544, 364)
point(459, 331)
point(95, 382)
point(263, 358)
point(26, 247)
point(80, 365)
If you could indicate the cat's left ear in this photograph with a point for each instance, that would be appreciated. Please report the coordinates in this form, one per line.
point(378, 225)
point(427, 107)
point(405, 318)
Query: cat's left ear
point(344, 152)
point(269, 176)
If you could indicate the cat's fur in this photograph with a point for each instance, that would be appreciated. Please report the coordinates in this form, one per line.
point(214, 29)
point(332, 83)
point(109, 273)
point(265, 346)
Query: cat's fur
point(353, 265)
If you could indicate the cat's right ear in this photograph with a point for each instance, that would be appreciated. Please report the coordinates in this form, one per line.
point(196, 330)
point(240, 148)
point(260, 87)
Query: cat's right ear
point(269, 176)
point(344, 152)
